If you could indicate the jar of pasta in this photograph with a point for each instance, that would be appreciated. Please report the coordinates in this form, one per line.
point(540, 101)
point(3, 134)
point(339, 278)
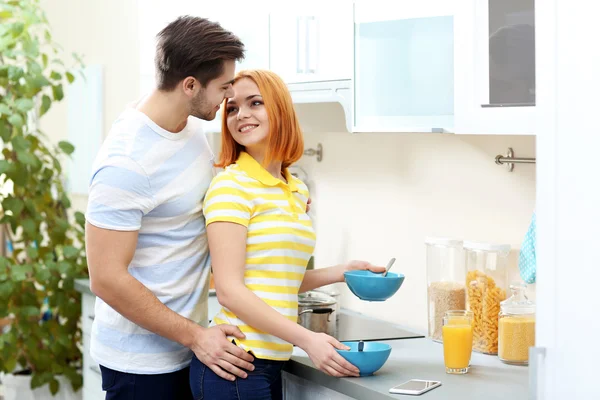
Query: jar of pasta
point(486, 266)
point(445, 281)
point(516, 327)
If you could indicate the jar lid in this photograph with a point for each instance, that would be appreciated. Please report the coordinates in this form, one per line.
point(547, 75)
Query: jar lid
point(312, 299)
point(441, 241)
point(518, 303)
point(483, 246)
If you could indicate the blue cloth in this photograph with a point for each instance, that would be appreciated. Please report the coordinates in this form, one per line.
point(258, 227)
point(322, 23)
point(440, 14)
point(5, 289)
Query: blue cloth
point(264, 383)
point(527, 260)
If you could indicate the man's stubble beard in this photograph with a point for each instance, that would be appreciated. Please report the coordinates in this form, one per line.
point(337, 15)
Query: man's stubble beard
point(201, 109)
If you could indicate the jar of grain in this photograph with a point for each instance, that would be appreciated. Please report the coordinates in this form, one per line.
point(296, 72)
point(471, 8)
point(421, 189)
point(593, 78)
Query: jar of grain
point(516, 327)
point(445, 281)
point(486, 266)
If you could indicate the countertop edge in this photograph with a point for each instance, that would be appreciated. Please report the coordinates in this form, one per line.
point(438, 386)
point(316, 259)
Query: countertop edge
point(83, 286)
point(345, 386)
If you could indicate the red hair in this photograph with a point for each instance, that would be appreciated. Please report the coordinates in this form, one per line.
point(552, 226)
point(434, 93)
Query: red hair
point(286, 143)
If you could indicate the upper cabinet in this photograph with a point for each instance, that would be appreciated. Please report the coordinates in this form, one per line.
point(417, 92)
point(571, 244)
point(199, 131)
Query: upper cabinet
point(404, 55)
point(498, 70)
point(311, 42)
point(252, 27)
point(457, 66)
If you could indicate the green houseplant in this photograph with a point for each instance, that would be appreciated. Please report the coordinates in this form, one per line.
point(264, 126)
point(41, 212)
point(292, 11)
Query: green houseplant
point(46, 252)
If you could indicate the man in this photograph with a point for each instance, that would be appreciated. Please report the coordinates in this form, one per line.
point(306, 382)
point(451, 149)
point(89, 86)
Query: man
point(145, 235)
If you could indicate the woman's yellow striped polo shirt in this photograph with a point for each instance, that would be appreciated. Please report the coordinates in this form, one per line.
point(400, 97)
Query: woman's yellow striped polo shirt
point(280, 242)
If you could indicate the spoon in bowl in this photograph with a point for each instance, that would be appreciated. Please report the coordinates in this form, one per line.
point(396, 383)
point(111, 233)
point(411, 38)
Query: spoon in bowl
point(389, 266)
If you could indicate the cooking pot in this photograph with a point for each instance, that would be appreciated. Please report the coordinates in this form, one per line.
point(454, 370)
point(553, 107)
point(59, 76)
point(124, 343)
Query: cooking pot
point(330, 290)
point(317, 312)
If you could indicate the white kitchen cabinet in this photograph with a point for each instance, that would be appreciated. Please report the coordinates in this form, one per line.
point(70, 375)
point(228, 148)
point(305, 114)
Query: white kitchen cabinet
point(312, 41)
point(92, 378)
point(404, 56)
point(564, 365)
point(497, 69)
point(296, 388)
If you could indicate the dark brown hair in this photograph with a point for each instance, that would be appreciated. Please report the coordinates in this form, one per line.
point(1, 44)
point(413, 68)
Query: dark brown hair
point(193, 46)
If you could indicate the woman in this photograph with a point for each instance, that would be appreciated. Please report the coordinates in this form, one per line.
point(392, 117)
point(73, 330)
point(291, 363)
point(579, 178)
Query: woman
point(260, 241)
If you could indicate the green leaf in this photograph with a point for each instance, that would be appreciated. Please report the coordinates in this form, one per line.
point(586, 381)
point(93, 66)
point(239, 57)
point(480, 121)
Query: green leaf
point(4, 166)
point(30, 311)
point(6, 289)
point(56, 76)
point(11, 363)
point(20, 143)
point(17, 29)
point(63, 267)
point(45, 60)
point(46, 103)
point(32, 252)
point(5, 109)
point(42, 273)
point(6, 14)
point(4, 263)
point(27, 158)
point(66, 147)
point(70, 77)
point(70, 252)
point(20, 272)
point(16, 120)
point(37, 380)
point(5, 131)
point(80, 218)
point(57, 92)
point(24, 105)
point(13, 204)
point(29, 226)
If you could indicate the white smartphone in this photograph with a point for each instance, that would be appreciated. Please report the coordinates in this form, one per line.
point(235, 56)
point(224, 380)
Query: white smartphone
point(415, 387)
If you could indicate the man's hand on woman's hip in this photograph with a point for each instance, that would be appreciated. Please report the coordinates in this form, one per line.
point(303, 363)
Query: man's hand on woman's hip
point(224, 358)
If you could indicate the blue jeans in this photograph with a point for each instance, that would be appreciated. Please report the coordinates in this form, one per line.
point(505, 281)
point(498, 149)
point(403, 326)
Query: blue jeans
point(264, 383)
point(125, 386)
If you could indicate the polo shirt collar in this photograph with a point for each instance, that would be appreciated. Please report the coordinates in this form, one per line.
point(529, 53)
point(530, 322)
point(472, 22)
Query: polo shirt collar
point(253, 168)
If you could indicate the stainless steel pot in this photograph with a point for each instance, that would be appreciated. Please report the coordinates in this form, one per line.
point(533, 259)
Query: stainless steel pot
point(317, 312)
point(330, 290)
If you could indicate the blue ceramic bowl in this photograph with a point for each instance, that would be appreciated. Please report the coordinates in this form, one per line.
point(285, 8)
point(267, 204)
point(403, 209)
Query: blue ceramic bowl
point(367, 285)
point(368, 361)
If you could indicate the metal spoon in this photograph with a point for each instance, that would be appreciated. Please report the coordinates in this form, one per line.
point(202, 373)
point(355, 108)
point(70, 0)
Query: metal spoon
point(392, 261)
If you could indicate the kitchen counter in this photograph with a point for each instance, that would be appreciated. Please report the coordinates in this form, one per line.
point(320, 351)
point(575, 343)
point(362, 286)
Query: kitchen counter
point(422, 358)
point(411, 358)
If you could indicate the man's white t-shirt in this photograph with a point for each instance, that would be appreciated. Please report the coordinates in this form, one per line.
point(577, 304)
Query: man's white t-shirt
point(153, 181)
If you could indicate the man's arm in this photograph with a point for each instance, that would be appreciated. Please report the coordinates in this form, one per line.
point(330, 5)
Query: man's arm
point(109, 254)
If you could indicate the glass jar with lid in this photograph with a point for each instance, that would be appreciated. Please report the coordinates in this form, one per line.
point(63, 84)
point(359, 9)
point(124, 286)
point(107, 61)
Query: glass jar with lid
point(445, 281)
point(516, 327)
point(486, 266)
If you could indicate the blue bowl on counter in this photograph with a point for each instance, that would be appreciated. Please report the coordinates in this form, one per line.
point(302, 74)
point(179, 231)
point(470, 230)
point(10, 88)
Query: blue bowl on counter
point(368, 361)
point(367, 285)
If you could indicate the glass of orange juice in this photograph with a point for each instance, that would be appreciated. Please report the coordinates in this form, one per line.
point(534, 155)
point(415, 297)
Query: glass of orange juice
point(457, 335)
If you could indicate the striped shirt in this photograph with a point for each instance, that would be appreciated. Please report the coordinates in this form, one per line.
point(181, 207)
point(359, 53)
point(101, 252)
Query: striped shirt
point(153, 181)
point(280, 242)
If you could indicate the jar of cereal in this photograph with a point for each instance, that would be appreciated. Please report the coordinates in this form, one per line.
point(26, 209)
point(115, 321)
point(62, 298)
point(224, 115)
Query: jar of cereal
point(516, 327)
point(486, 266)
point(445, 281)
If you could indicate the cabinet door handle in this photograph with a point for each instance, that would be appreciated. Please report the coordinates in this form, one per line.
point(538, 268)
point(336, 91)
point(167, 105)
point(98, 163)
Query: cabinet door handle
point(312, 45)
point(91, 317)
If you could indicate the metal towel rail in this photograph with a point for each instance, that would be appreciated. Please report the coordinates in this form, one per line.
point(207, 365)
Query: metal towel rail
point(510, 160)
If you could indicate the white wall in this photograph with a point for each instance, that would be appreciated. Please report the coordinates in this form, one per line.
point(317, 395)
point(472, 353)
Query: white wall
point(377, 196)
point(104, 32)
